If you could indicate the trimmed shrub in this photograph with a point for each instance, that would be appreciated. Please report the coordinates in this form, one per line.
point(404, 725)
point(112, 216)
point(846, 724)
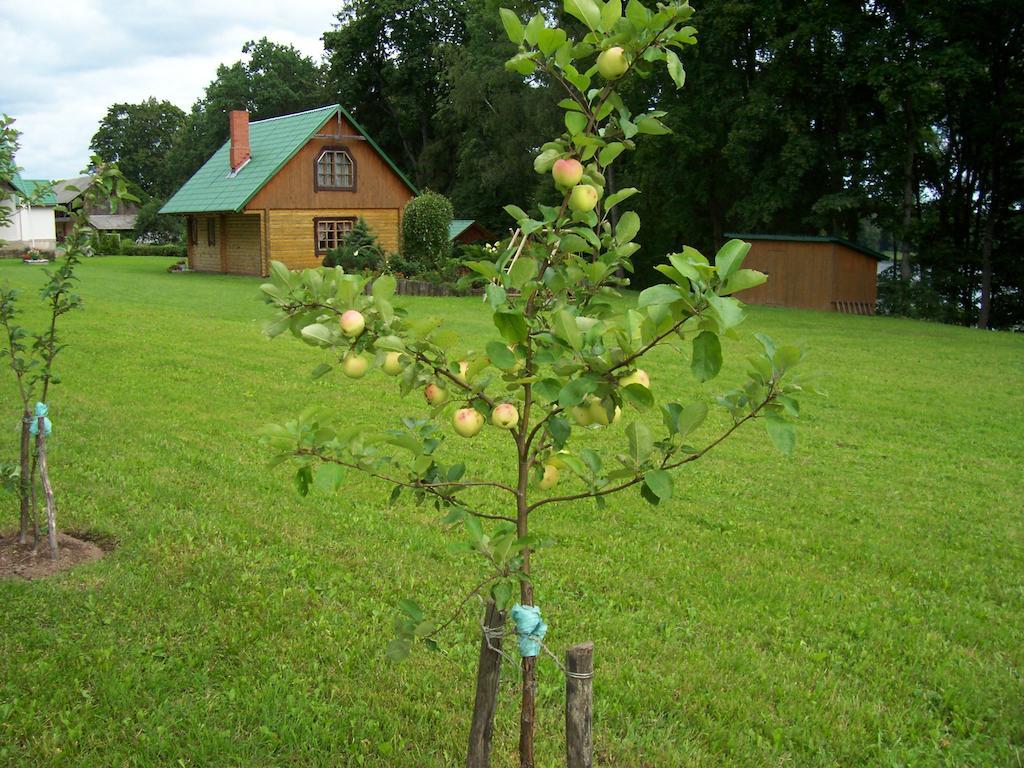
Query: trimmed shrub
point(151, 249)
point(425, 243)
point(107, 244)
point(359, 250)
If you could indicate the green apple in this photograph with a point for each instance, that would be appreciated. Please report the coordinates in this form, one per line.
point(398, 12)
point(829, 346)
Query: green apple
point(598, 414)
point(612, 64)
point(505, 416)
point(461, 375)
point(467, 422)
point(352, 322)
point(567, 172)
point(355, 365)
point(392, 364)
point(582, 415)
point(435, 394)
point(639, 376)
point(550, 478)
point(584, 198)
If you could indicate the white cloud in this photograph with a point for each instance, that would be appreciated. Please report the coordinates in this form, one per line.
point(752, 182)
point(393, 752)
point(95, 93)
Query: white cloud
point(64, 68)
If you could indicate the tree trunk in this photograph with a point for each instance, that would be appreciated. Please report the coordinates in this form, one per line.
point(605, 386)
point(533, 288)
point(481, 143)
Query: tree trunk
point(985, 311)
point(987, 234)
point(488, 675)
point(26, 477)
point(528, 706)
point(51, 506)
point(908, 207)
point(579, 699)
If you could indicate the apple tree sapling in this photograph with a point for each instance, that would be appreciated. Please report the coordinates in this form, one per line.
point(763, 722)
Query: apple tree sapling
point(31, 356)
point(564, 359)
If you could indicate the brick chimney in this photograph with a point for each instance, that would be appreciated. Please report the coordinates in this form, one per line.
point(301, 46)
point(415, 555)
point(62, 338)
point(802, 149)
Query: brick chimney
point(239, 123)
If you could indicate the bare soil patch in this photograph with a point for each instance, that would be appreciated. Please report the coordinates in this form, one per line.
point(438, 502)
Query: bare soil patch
point(19, 561)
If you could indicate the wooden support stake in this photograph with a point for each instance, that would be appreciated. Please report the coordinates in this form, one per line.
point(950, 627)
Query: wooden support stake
point(51, 505)
point(481, 732)
point(579, 702)
point(26, 479)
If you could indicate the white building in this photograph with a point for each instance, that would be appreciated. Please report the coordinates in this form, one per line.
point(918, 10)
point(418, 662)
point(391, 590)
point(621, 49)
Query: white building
point(28, 226)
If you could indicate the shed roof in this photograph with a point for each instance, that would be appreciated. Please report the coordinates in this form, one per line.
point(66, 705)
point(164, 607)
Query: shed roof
point(272, 143)
point(113, 221)
point(810, 239)
point(458, 226)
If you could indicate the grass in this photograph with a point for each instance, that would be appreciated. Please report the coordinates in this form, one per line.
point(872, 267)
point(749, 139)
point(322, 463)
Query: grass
point(861, 603)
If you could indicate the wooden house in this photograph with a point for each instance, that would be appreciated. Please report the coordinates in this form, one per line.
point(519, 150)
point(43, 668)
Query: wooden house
point(288, 189)
point(829, 274)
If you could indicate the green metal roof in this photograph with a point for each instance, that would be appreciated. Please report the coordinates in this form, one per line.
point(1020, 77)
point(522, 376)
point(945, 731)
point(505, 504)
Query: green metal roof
point(29, 187)
point(811, 239)
point(272, 143)
point(458, 226)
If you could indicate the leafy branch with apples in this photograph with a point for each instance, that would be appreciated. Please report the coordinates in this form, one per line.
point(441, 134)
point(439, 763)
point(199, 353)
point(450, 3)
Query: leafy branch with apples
point(564, 360)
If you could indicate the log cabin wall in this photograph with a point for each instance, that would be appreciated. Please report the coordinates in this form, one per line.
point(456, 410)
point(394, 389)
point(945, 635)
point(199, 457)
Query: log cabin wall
point(204, 256)
point(242, 252)
point(292, 241)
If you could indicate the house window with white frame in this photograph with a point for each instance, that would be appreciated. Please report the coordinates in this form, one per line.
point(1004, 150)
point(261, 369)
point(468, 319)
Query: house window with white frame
point(335, 169)
point(330, 232)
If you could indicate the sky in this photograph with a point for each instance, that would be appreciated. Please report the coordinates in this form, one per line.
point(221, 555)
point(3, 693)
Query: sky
point(66, 63)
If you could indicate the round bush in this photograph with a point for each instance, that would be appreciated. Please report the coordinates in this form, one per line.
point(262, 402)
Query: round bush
point(425, 222)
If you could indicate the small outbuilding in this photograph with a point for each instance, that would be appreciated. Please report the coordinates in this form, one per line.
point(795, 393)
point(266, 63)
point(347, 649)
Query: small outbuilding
point(468, 231)
point(829, 274)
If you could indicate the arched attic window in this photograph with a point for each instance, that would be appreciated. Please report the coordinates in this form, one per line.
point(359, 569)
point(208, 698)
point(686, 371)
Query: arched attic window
point(335, 169)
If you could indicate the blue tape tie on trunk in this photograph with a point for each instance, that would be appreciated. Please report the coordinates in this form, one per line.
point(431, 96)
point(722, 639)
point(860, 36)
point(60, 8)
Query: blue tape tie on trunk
point(33, 428)
point(530, 628)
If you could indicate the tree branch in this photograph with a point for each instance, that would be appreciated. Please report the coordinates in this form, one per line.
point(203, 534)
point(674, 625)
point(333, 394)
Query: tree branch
point(458, 610)
point(431, 488)
point(665, 464)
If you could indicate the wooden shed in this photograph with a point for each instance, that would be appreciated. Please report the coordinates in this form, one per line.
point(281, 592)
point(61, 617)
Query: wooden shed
point(829, 274)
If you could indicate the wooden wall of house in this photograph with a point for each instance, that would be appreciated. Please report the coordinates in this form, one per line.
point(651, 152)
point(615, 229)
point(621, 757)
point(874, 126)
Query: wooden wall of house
point(242, 253)
point(293, 187)
point(291, 238)
point(799, 274)
point(201, 255)
point(237, 247)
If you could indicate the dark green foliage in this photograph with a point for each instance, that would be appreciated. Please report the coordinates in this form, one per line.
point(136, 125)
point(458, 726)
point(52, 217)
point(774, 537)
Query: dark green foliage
point(358, 252)
point(106, 244)
point(112, 244)
point(425, 243)
point(153, 249)
point(153, 227)
point(386, 62)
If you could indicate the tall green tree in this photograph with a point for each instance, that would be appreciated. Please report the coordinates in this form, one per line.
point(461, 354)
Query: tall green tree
point(138, 138)
point(492, 121)
point(385, 62)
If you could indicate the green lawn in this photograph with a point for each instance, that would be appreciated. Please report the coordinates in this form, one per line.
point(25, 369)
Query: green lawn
point(861, 603)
